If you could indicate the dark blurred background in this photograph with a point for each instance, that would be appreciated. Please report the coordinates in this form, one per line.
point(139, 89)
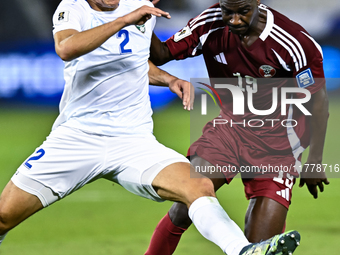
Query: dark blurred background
point(31, 72)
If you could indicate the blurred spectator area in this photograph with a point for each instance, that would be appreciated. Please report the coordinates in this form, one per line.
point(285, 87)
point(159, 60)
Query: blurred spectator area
point(26, 19)
point(30, 69)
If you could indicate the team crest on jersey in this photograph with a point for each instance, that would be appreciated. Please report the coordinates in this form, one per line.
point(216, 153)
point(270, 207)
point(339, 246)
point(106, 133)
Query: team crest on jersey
point(305, 78)
point(182, 34)
point(141, 28)
point(267, 71)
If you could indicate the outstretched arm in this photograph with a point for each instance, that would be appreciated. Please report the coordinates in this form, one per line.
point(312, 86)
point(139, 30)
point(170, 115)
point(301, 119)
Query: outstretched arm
point(182, 88)
point(70, 44)
point(314, 179)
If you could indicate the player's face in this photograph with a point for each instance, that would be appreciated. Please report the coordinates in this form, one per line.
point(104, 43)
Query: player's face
point(240, 15)
point(105, 5)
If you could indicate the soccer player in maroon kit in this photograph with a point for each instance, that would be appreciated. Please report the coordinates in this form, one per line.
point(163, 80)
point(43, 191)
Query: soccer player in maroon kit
point(261, 49)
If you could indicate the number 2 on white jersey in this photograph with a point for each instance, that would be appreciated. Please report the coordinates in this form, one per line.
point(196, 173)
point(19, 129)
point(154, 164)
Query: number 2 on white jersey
point(124, 33)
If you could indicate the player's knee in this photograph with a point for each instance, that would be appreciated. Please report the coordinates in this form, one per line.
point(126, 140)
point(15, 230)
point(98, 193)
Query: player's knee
point(201, 187)
point(207, 187)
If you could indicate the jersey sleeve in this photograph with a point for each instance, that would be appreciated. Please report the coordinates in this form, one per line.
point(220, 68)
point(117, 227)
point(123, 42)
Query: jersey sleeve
point(188, 42)
point(184, 43)
point(311, 75)
point(67, 17)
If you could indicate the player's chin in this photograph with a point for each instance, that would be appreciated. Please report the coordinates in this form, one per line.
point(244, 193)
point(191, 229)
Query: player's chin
point(239, 30)
point(111, 4)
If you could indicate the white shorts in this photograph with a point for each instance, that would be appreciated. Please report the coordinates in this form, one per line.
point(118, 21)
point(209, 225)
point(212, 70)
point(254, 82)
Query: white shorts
point(71, 158)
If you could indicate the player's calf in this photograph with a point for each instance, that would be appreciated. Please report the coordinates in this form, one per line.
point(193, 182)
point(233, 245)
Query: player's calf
point(178, 214)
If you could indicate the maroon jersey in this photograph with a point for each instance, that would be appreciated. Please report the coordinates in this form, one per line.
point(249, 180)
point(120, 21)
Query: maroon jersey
point(283, 56)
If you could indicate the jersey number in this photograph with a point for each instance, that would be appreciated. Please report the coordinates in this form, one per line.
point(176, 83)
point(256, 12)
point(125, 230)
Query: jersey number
point(289, 181)
point(251, 83)
point(125, 34)
point(38, 155)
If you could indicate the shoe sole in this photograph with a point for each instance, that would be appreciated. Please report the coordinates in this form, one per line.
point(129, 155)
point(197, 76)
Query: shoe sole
point(285, 244)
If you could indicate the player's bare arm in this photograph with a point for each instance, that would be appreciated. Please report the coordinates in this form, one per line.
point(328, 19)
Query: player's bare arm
point(182, 88)
point(159, 51)
point(318, 123)
point(70, 44)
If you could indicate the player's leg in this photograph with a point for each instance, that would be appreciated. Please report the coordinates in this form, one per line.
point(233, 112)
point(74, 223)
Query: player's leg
point(66, 161)
point(171, 227)
point(16, 205)
point(178, 212)
point(219, 147)
point(268, 206)
point(179, 182)
point(151, 170)
point(209, 217)
point(265, 218)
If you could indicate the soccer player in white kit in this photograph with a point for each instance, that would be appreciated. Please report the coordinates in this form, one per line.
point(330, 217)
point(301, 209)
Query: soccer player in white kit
point(104, 129)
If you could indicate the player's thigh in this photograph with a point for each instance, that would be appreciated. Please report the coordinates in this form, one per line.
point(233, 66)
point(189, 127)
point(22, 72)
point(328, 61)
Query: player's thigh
point(66, 161)
point(139, 163)
point(15, 206)
point(216, 154)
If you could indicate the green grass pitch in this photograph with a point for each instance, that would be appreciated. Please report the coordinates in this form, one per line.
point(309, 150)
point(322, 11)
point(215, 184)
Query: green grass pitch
point(103, 218)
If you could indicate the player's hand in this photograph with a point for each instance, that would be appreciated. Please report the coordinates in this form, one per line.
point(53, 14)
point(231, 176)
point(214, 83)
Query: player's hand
point(143, 14)
point(185, 91)
point(313, 178)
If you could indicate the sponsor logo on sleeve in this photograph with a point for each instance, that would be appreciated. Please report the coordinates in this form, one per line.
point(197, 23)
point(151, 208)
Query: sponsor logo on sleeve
point(182, 34)
point(63, 16)
point(305, 78)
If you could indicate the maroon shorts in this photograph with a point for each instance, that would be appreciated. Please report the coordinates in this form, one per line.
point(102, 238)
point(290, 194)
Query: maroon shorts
point(278, 189)
point(263, 173)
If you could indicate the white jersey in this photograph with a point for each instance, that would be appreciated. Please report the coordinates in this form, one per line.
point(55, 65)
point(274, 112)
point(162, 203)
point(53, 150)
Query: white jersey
point(107, 90)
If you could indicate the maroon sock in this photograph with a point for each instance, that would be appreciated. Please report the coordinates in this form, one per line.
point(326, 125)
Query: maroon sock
point(165, 238)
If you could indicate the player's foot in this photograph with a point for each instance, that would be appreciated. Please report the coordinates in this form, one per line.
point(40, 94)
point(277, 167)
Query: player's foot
point(283, 244)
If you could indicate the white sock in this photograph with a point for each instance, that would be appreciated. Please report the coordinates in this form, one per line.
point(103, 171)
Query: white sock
point(214, 224)
point(2, 237)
